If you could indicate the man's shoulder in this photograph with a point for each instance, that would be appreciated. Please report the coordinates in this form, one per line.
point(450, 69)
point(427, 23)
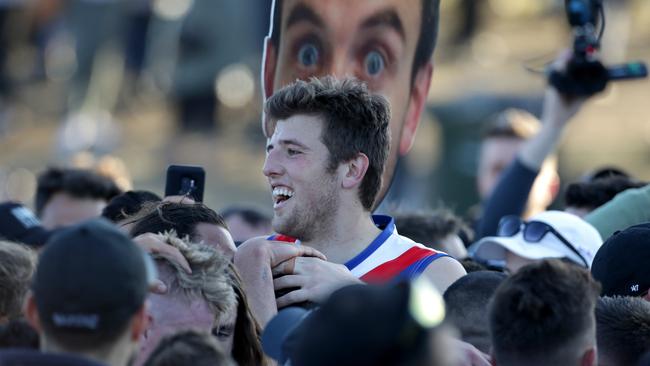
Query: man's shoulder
point(444, 272)
point(25, 357)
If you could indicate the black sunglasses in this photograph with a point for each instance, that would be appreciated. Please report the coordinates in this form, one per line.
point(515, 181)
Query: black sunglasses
point(533, 232)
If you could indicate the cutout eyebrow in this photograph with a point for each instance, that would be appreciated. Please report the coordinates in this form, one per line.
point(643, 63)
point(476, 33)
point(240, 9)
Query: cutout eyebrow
point(385, 18)
point(302, 12)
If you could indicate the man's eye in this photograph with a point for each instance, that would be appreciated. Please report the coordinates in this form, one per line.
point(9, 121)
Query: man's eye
point(308, 55)
point(221, 332)
point(374, 63)
point(293, 152)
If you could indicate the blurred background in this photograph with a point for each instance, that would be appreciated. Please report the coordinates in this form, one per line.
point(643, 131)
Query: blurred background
point(128, 87)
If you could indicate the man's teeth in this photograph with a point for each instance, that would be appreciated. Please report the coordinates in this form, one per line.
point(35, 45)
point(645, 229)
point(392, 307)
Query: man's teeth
point(278, 191)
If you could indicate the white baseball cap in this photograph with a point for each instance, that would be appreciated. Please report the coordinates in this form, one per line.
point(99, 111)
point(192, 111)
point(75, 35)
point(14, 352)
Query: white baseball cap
point(582, 236)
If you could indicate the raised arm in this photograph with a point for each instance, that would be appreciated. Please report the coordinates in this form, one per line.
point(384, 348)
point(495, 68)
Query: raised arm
point(510, 195)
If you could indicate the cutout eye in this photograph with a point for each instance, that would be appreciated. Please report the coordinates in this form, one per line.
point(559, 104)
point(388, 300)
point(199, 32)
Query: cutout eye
point(374, 63)
point(308, 55)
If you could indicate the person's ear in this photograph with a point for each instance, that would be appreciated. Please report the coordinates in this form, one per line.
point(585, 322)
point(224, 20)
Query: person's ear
point(31, 313)
point(417, 101)
point(140, 323)
point(354, 171)
point(590, 357)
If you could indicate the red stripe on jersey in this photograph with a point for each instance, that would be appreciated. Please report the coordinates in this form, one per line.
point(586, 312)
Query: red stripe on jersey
point(391, 269)
point(285, 238)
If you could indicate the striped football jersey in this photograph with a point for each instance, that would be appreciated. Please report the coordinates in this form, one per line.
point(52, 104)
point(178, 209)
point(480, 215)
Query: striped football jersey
point(390, 257)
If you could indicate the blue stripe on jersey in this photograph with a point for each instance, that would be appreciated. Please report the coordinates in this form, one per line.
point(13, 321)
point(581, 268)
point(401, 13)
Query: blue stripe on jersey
point(418, 267)
point(387, 224)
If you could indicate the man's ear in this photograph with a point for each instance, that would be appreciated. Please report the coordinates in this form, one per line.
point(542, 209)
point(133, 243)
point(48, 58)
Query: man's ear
point(417, 101)
point(31, 313)
point(355, 170)
point(140, 323)
point(590, 357)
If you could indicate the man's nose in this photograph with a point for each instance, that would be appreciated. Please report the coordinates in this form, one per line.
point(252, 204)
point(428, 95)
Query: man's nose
point(271, 166)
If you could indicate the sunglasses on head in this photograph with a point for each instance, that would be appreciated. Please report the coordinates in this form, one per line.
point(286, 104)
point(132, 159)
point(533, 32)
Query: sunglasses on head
point(533, 232)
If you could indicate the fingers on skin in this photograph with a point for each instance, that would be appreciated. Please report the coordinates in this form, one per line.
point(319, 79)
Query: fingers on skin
point(288, 281)
point(292, 297)
point(285, 268)
point(154, 244)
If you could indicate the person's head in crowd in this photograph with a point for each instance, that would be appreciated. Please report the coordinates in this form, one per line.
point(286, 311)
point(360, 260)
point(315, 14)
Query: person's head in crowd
point(544, 315)
point(122, 206)
point(471, 265)
point(440, 230)
point(326, 155)
point(196, 221)
point(550, 234)
point(467, 306)
point(345, 330)
point(387, 44)
point(622, 330)
point(583, 197)
point(209, 299)
point(17, 333)
point(604, 172)
point(245, 222)
point(189, 347)
point(17, 265)
point(66, 196)
point(504, 136)
point(621, 264)
point(88, 294)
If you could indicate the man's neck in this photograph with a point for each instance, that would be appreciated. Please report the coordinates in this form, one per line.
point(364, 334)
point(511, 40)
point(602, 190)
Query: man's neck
point(349, 235)
point(112, 356)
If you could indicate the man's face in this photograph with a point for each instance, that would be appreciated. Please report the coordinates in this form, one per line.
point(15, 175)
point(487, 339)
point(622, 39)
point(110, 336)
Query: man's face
point(515, 262)
point(372, 40)
point(216, 237)
point(305, 193)
point(496, 154)
point(174, 312)
point(65, 210)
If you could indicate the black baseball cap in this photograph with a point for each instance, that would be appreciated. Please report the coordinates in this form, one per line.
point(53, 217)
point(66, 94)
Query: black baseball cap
point(90, 278)
point(18, 224)
point(278, 337)
point(622, 264)
point(368, 325)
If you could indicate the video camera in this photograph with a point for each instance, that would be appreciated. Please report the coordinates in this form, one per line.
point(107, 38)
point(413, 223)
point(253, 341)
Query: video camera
point(585, 75)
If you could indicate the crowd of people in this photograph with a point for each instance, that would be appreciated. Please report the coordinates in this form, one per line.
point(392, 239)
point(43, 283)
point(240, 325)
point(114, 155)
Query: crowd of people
point(99, 276)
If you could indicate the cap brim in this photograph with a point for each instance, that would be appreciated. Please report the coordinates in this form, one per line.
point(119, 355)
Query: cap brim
point(278, 330)
point(494, 248)
point(37, 236)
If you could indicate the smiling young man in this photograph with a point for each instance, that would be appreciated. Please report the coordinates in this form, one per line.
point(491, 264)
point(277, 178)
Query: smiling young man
point(386, 43)
point(324, 165)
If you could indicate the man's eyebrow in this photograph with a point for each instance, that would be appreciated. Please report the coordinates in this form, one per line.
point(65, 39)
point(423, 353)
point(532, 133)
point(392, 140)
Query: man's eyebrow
point(387, 18)
point(294, 142)
point(302, 12)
